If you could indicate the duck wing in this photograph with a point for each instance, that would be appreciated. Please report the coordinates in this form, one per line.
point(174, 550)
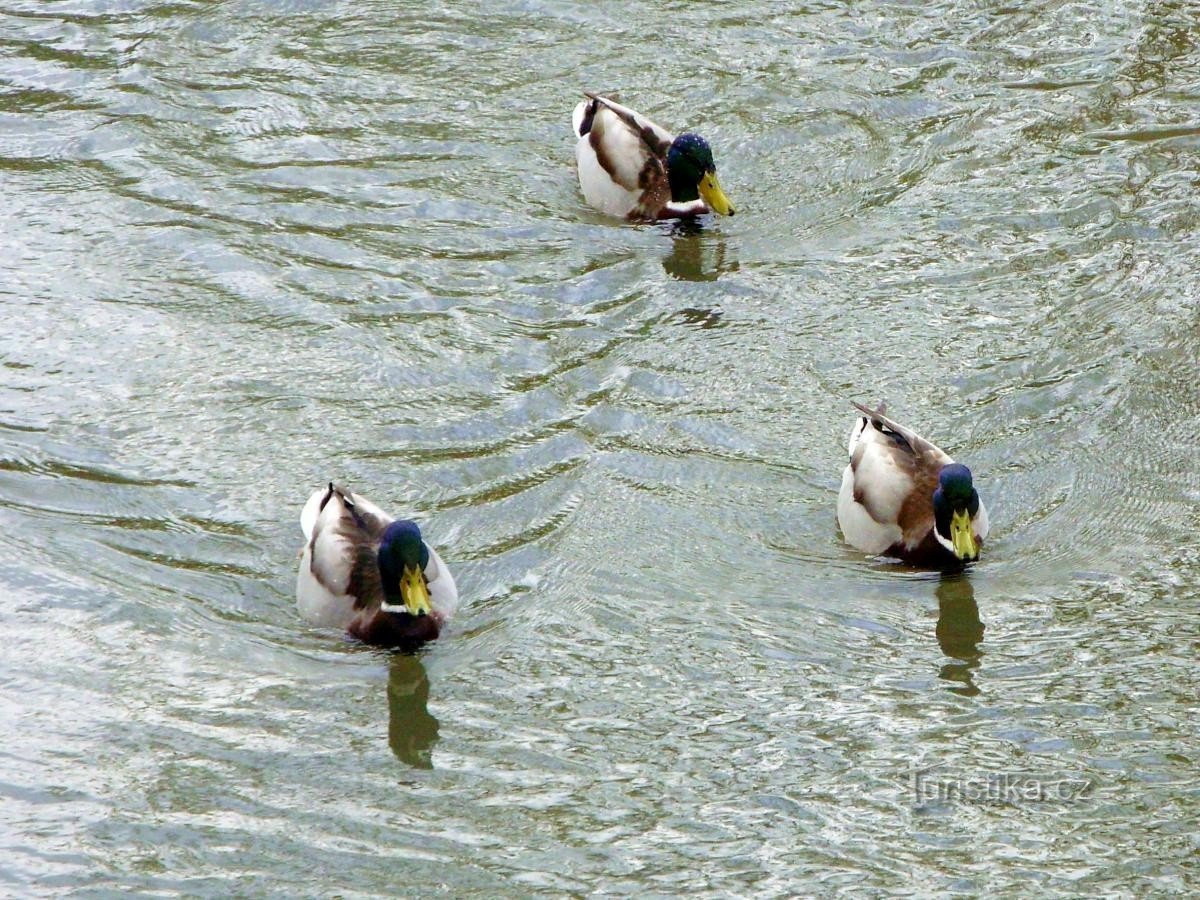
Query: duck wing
point(895, 472)
point(656, 138)
point(628, 146)
point(344, 530)
point(903, 436)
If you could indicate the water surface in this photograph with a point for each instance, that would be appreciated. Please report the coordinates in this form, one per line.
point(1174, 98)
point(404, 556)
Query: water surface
point(250, 246)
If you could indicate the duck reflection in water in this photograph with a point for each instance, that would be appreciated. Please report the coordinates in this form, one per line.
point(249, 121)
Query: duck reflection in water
point(959, 631)
point(412, 731)
point(696, 255)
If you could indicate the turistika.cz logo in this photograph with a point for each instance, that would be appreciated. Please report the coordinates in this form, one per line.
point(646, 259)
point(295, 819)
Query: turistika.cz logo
point(935, 785)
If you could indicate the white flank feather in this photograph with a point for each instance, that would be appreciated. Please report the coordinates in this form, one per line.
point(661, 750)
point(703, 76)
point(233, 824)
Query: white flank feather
point(308, 515)
point(443, 592)
point(877, 477)
point(859, 529)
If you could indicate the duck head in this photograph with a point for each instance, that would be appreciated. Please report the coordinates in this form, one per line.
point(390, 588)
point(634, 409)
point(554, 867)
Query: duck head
point(692, 174)
point(955, 504)
point(402, 560)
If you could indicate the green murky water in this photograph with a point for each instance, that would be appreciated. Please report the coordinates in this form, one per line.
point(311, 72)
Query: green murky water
point(249, 246)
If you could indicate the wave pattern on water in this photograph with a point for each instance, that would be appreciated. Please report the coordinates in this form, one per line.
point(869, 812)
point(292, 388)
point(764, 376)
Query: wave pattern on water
point(256, 245)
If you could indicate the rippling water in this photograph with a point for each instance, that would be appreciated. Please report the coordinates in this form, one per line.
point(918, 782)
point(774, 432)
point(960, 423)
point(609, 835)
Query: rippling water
point(250, 246)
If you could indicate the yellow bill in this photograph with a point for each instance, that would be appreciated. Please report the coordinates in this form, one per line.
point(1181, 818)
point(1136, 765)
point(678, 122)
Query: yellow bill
point(714, 197)
point(962, 536)
point(414, 592)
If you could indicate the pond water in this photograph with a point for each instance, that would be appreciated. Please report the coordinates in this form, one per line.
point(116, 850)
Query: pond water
point(252, 246)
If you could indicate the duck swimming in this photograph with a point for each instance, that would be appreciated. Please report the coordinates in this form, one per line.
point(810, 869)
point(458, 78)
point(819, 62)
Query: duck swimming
point(369, 574)
point(632, 168)
point(902, 496)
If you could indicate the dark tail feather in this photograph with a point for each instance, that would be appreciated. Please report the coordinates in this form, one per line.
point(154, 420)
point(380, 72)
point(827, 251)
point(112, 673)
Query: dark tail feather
point(343, 495)
point(328, 494)
point(585, 124)
point(878, 417)
point(872, 415)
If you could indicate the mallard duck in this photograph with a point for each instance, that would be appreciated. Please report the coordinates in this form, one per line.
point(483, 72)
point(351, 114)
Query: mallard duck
point(370, 574)
point(630, 167)
point(902, 496)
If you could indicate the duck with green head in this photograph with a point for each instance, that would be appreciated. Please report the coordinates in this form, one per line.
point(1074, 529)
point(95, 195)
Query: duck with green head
point(633, 168)
point(903, 496)
point(369, 574)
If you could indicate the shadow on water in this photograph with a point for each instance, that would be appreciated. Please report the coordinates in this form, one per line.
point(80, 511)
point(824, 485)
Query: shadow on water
point(959, 631)
point(412, 731)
